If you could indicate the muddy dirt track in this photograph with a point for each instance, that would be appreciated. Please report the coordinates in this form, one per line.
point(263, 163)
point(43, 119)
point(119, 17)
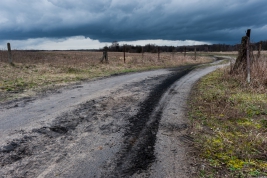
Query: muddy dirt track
point(130, 125)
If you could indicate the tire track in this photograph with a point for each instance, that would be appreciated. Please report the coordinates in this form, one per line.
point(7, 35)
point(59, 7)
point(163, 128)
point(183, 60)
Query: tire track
point(138, 151)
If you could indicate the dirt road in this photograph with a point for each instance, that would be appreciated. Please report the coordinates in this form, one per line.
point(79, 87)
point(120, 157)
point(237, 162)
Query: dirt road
point(123, 126)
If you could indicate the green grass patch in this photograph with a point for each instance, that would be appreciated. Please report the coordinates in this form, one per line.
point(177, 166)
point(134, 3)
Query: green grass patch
point(229, 125)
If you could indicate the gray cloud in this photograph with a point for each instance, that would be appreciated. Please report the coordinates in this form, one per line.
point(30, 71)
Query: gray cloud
point(218, 21)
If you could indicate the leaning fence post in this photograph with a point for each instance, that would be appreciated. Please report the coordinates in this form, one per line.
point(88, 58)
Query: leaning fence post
point(9, 53)
point(248, 59)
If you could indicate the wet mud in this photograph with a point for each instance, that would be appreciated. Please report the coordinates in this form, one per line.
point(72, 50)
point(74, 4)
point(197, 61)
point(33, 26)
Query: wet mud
point(140, 137)
point(122, 126)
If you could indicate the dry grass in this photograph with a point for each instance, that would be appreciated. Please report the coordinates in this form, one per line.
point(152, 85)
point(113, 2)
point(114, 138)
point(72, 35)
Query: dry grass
point(229, 120)
point(45, 69)
point(228, 53)
point(258, 75)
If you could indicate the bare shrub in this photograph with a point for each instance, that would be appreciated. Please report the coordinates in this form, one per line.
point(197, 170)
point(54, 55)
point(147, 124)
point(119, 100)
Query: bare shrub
point(258, 74)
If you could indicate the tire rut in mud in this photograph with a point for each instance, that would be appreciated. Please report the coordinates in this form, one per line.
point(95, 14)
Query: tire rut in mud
point(33, 151)
point(140, 136)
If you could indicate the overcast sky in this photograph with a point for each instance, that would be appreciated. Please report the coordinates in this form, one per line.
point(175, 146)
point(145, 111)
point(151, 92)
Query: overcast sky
point(91, 24)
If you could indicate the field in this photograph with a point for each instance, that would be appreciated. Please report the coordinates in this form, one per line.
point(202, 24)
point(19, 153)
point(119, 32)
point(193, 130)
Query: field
point(229, 122)
point(230, 53)
point(228, 115)
point(33, 72)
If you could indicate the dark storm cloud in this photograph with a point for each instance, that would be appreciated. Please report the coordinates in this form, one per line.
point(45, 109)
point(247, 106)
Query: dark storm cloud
point(218, 21)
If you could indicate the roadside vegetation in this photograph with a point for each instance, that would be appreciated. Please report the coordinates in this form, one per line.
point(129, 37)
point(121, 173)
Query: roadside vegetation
point(229, 122)
point(229, 54)
point(33, 71)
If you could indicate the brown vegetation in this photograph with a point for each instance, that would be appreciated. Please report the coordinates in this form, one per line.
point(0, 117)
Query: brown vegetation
point(40, 70)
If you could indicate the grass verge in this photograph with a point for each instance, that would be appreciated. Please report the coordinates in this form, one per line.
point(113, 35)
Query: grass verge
point(229, 125)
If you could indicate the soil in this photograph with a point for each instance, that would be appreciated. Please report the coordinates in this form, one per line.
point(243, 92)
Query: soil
point(124, 126)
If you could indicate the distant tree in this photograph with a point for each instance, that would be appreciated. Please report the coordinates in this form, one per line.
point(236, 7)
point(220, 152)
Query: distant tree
point(115, 46)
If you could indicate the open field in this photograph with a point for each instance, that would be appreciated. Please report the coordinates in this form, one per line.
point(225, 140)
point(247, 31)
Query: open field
point(230, 53)
point(47, 69)
point(229, 123)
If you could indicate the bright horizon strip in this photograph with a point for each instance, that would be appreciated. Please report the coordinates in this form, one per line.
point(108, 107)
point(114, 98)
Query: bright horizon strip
point(81, 42)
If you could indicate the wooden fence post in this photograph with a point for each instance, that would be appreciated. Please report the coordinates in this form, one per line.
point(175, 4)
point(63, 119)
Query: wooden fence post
point(241, 60)
point(142, 53)
point(195, 53)
point(105, 56)
point(158, 54)
point(124, 50)
point(184, 51)
point(9, 53)
point(248, 59)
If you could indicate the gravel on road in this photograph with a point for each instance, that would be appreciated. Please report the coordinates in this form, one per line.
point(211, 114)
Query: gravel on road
point(130, 125)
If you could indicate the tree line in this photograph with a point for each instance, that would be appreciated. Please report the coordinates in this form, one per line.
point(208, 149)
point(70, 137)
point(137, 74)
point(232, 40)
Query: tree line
point(152, 48)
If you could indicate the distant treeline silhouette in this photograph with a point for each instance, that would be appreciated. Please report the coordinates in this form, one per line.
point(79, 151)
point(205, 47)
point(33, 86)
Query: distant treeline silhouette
point(152, 48)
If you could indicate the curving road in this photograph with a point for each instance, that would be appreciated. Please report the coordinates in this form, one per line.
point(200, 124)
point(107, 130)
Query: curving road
point(130, 125)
